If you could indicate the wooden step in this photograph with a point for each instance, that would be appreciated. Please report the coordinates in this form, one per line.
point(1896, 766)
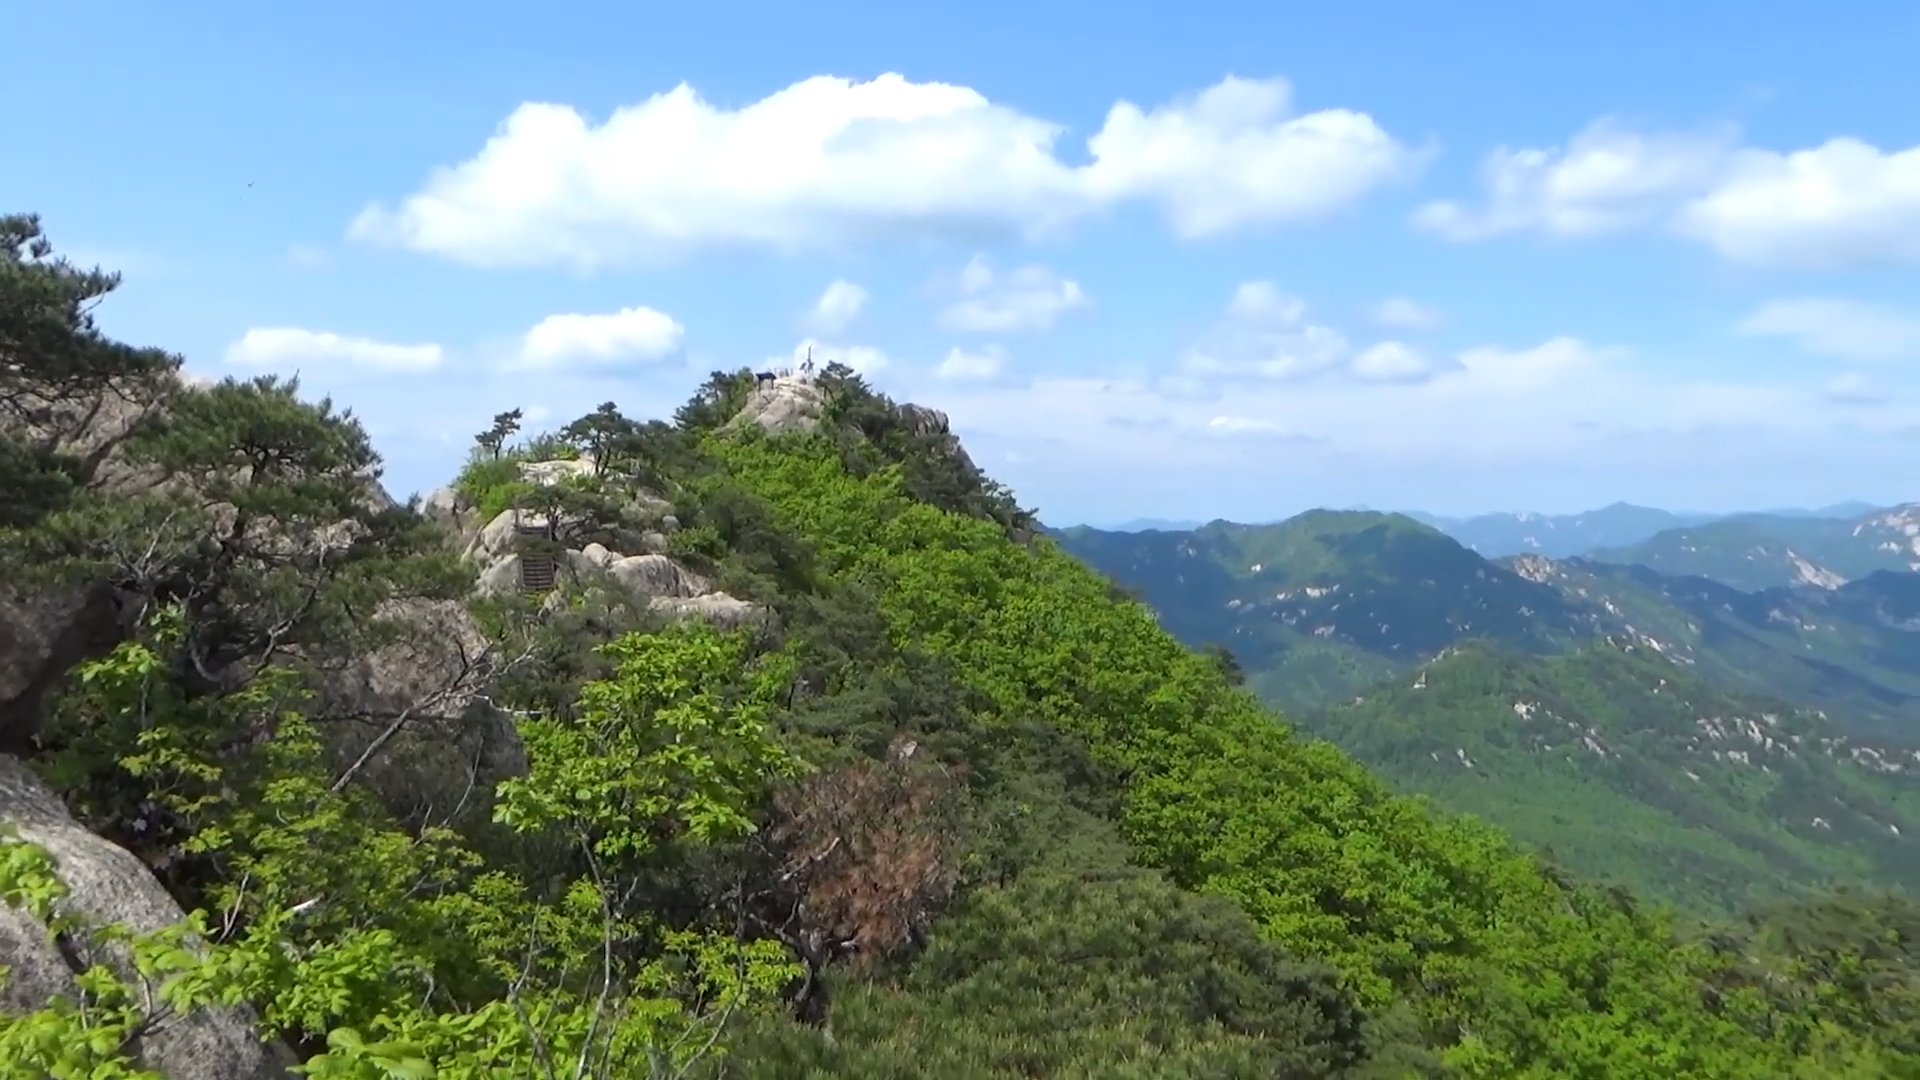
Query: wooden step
point(538, 572)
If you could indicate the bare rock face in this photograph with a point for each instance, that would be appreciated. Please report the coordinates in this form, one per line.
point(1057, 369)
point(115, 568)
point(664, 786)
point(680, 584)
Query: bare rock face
point(412, 716)
point(553, 472)
point(657, 575)
point(785, 403)
point(109, 885)
point(723, 611)
point(450, 510)
point(43, 635)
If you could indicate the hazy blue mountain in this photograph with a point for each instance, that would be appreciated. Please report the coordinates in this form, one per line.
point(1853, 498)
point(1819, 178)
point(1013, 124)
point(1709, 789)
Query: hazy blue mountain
point(1763, 551)
point(1559, 535)
point(1155, 525)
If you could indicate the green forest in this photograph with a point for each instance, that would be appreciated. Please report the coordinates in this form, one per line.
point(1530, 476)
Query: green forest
point(949, 804)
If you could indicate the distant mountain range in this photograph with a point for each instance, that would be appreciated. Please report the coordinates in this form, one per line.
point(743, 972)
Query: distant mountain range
point(1559, 535)
point(1338, 616)
point(1155, 525)
point(1323, 604)
point(1762, 551)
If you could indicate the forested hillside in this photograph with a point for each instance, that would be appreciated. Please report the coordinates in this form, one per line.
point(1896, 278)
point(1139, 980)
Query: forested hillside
point(922, 796)
point(1624, 765)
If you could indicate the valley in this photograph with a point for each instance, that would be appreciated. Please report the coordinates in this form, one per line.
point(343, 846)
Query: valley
point(1710, 746)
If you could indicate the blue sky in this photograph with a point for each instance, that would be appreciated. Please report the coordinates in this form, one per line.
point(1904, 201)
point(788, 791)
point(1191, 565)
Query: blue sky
point(1179, 261)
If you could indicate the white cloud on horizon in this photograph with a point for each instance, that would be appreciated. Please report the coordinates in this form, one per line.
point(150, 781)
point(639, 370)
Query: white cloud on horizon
point(1844, 203)
point(1027, 298)
point(829, 162)
point(1487, 408)
point(1836, 327)
point(284, 346)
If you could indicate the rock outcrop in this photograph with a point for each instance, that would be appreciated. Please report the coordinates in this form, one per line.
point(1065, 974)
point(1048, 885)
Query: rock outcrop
point(792, 402)
point(635, 558)
point(787, 402)
point(111, 886)
point(429, 673)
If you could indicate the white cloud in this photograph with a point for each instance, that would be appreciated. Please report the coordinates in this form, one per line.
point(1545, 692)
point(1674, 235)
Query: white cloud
point(635, 333)
point(284, 346)
point(838, 307)
point(1502, 372)
point(984, 364)
point(1246, 426)
point(1029, 298)
point(1845, 203)
point(1234, 156)
point(1265, 333)
point(1400, 313)
point(1490, 407)
point(1392, 362)
point(830, 161)
point(1853, 388)
point(1606, 179)
point(1828, 326)
point(309, 257)
point(861, 358)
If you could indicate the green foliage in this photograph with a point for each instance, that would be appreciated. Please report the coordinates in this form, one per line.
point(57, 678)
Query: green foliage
point(54, 366)
point(1512, 972)
point(491, 483)
point(494, 439)
point(1089, 973)
point(402, 951)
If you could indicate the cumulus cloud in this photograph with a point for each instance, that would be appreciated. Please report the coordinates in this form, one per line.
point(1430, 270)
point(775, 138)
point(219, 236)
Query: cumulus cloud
point(838, 307)
point(1854, 388)
point(1400, 313)
point(1029, 298)
point(983, 364)
point(831, 161)
point(1392, 362)
point(1265, 333)
point(288, 346)
point(1845, 203)
point(1830, 326)
point(635, 333)
point(1606, 179)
